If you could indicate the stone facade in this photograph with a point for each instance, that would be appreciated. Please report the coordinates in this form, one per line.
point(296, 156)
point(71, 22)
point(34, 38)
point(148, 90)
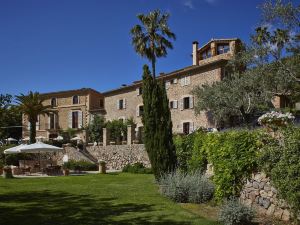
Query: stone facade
point(259, 194)
point(126, 102)
point(115, 156)
point(89, 103)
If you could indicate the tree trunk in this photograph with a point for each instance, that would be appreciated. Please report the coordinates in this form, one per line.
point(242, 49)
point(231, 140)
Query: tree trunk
point(153, 67)
point(32, 131)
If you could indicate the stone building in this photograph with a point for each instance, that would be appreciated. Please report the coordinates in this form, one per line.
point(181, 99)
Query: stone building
point(69, 109)
point(75, 108)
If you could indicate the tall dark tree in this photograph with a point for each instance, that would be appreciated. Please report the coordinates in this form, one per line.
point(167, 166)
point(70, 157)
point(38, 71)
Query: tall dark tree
point(32, 106)
point(150, 39)
point(157, 126)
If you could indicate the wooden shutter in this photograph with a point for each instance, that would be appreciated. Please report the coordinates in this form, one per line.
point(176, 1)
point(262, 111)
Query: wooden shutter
point(187, 80)
point(168, 84)
point(138, 111)
point(191, 127)
point(55, 120)
point(181, 104)
point(118, 104)
point(191, 102)
point(182, 81)
point(138, 91)
point(181, 127)
point(37, 124)
point(175, 104)
point(70, 119)
point(80, 119)
point(49, 120)
point(175, 81)
point(124, 103)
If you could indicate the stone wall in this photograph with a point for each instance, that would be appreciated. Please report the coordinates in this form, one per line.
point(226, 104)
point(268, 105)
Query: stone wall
point(116, 156)
point(259, 194)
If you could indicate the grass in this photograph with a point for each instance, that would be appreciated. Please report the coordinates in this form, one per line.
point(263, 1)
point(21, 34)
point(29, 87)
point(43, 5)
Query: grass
point(90, 200)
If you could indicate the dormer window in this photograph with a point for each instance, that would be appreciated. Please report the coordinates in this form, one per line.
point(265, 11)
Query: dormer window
point(75, 100)
point(206, 54)
point(53, 102)
point(223, 48)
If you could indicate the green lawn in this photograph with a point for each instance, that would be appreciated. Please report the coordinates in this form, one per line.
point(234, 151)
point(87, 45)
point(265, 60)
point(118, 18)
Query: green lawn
point(89, 200)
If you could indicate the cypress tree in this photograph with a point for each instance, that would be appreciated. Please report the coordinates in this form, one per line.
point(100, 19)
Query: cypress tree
point(157, 126)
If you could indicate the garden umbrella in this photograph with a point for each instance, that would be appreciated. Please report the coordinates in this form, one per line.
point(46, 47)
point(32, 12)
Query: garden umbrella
point(14, 150)
point(59, 138)
point(76, 139)
point(39, 147)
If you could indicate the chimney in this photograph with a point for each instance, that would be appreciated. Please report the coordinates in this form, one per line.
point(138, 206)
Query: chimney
point(195, 55)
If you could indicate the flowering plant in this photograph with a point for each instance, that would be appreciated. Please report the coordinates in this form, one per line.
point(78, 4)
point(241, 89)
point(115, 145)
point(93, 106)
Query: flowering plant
point(276, 119)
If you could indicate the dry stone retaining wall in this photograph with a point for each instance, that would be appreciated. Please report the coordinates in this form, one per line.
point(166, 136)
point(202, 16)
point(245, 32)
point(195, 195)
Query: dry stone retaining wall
point(259, 194)
point(115, 156)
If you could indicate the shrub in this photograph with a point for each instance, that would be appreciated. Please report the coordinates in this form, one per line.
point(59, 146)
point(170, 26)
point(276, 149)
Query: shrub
point(281, 161)
point(80, 165)
point(136, 168)
point(234, 213)
point(234, 157)
point(181, 187)
point(198, 159)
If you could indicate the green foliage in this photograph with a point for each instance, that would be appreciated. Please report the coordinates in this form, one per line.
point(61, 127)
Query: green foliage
point(137, 168)
point(234, 213)
point(280, 159)
point(187, 187)
point(157, 126)
point(95, 129)
point(234, 157)
point(150, 39)
point(31, 105)
point(198, 159)
point(80, 165)
point(117, 129)
point(10, 116)
point(183, 146)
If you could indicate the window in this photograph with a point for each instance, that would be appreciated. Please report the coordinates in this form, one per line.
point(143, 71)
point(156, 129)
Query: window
point(53, 102)
point(75, 119)
point(173, 104)
point(121, 103)
point(223, 48)
point(185, 80)
point(186, 103)
point(101, 103)
point(206, 54)
point(140, 90)
point(52, 121)
point(141, 110)
point(186, 128)
point(75, 100)
point(173, 81)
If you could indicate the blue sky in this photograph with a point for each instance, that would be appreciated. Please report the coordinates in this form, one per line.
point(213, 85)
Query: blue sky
point(52, 45)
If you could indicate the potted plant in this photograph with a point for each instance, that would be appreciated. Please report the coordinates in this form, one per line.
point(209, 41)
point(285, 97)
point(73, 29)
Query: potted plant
point(7, 172)
point(66, 170)
point(102, 166)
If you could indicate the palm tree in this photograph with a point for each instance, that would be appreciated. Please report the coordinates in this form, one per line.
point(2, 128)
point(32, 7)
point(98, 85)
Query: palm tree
point(31, 105)
point(280, 38)
point(150, 38)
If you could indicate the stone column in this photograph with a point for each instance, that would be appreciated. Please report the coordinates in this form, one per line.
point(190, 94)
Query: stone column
point(130, 134)
point(105, 137)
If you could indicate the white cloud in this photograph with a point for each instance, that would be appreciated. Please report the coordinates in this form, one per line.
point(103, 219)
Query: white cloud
point(189, 4)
